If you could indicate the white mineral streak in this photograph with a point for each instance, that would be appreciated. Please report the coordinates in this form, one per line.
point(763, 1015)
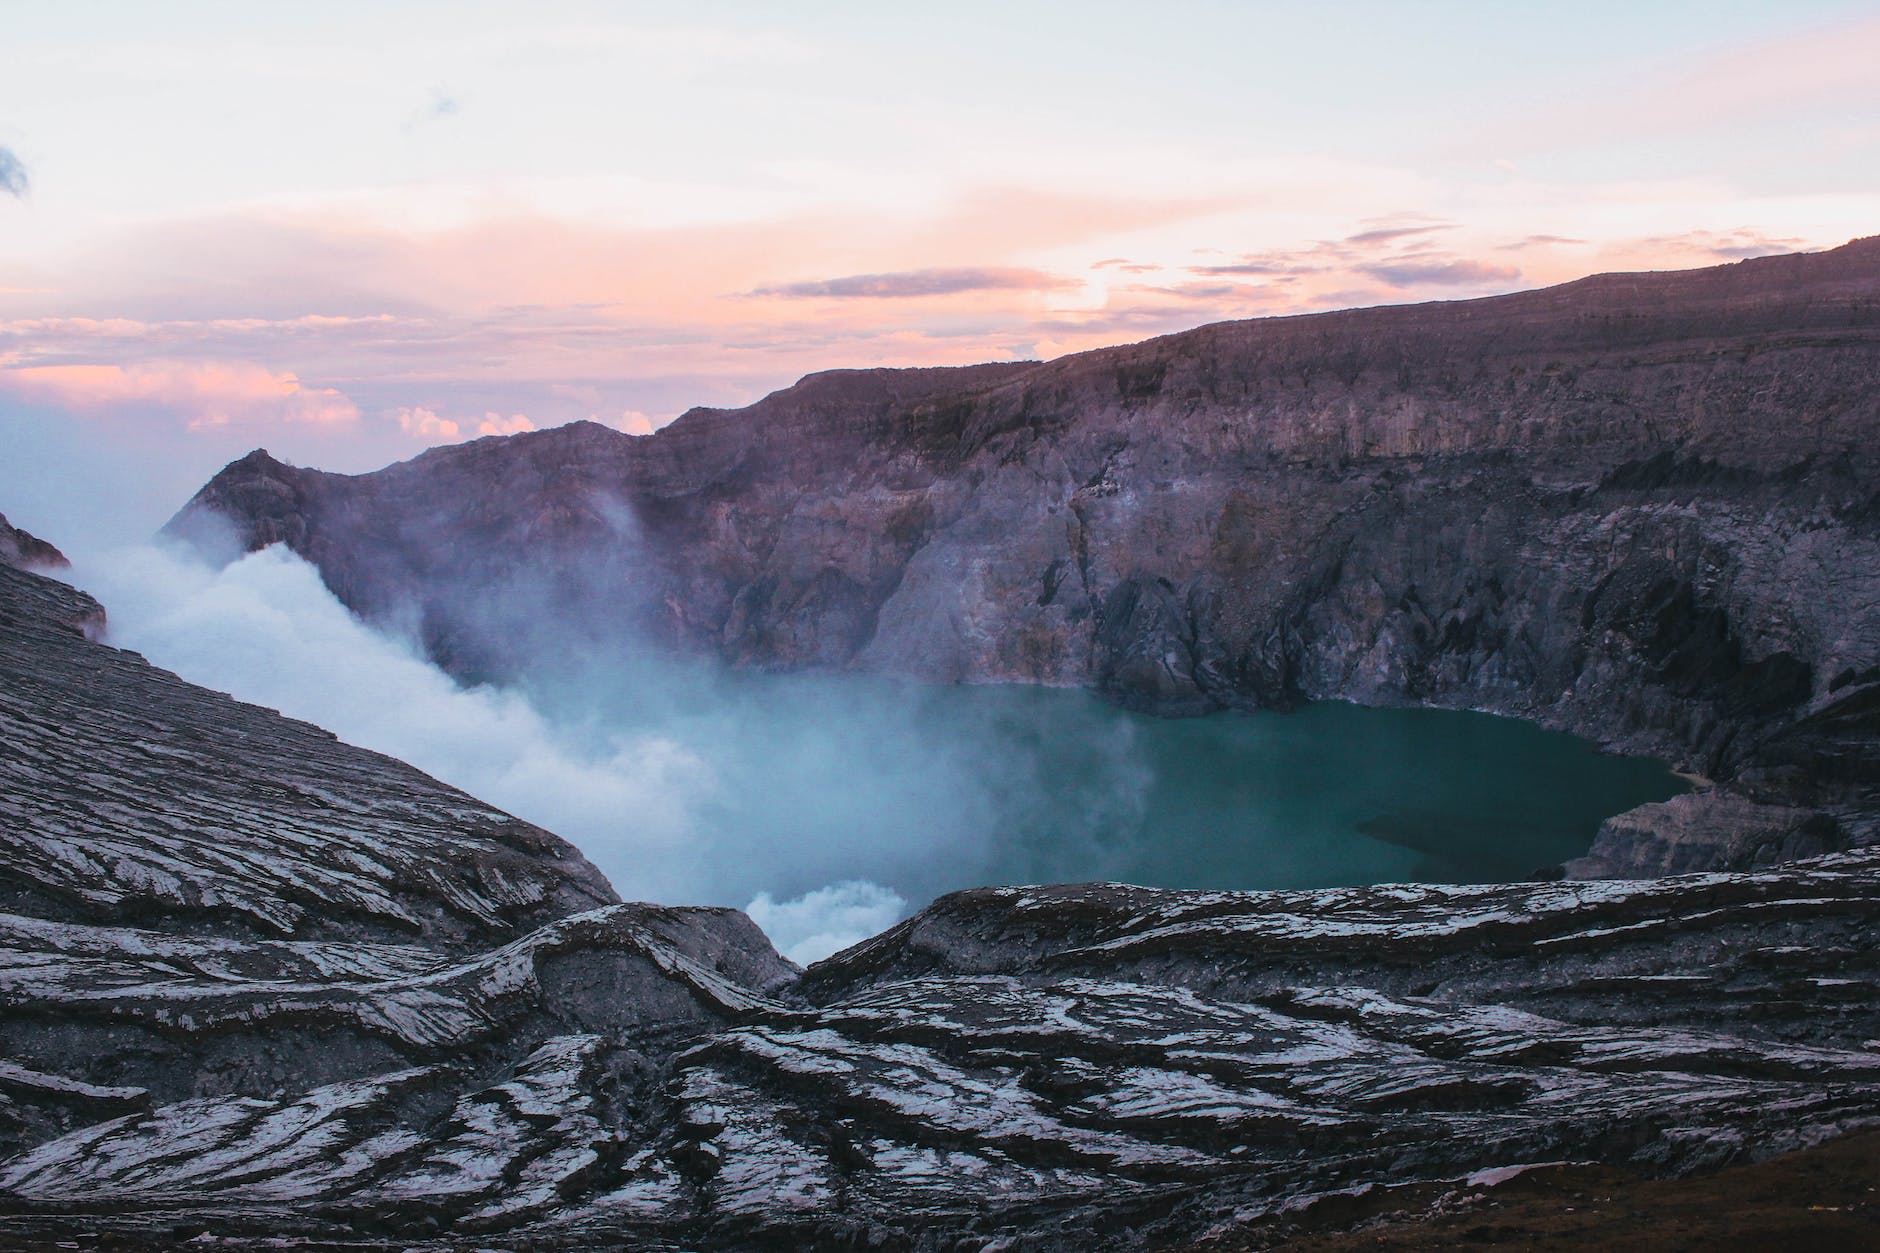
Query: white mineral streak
point(223, 1147)
point(938, 1094)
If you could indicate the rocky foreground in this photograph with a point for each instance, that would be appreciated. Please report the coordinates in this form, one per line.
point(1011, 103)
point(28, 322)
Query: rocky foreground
point(1641, 507)
point(258, 984)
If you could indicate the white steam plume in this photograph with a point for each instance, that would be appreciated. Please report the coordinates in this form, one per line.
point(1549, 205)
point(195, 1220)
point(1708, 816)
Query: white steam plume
point(827, 920)
point(822, 808)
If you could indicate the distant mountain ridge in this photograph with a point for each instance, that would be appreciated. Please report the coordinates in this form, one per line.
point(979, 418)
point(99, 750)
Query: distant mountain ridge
point(1644, 507)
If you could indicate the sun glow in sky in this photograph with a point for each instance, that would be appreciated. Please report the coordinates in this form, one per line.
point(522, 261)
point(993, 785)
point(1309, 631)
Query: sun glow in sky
point(349, 231)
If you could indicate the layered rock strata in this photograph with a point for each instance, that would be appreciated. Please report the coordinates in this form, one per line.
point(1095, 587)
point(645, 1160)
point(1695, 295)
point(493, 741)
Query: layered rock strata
point(26, 551)
point(1642, 507)
point(136, 798)
point(263, 986)
point(147, 821)
point(1704, 831)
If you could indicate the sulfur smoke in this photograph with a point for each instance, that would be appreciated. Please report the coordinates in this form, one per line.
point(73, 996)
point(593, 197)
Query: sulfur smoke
point(826, 807)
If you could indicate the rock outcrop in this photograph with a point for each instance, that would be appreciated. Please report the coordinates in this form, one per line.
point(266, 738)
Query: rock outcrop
point(1641, 507)
point(135, 798)
point(261, 986)
point(182, 875)
point(25, 551)
point(1705, 831)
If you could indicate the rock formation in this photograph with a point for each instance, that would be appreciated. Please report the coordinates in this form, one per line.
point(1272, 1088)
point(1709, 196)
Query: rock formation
point(1641, 507)
point(1703, 831)
point(26, 551)
point(260, 985)
point(135, 797)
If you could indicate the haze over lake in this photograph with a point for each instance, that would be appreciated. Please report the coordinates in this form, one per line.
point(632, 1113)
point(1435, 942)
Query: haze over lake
point(833, 805)
point(931, 789)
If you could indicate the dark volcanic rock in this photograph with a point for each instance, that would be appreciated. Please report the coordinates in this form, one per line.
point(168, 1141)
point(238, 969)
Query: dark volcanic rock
point(134, 798)
point(1705, 831)
point(1642, 507)
point(151, 830)
point(1102, 1063)
point(206, 902)
point(25, 551)
point(259, 985)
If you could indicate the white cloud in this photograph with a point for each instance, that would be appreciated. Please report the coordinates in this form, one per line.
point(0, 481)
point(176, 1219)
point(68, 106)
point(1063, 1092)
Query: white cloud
point(829, 804)
point(420, 423)
point(497, 424)
point(428, 424)
point(828, 920)
point(266, 629)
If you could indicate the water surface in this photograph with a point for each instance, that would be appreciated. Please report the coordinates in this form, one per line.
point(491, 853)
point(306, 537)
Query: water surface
point(929, 789)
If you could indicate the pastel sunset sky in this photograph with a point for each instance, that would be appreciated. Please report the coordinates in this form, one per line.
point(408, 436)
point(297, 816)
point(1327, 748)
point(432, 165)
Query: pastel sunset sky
point(350, 231)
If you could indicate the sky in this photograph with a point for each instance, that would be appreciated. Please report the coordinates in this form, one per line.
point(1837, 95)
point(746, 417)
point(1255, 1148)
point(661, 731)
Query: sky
point(347, 232)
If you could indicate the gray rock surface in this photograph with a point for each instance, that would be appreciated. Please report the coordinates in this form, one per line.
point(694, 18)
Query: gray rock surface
point(1641, 507)
point(133, 797)
point(1705, 831)
point(186, 881)
point(399, 1024)
point(25, 551)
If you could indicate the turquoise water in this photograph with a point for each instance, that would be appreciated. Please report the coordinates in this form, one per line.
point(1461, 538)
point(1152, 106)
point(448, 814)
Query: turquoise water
point(1339, 794)
point(1331, 794)
point(816, 779)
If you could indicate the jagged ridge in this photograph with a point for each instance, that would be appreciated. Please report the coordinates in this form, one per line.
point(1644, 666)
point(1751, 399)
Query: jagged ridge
point(1645, 508)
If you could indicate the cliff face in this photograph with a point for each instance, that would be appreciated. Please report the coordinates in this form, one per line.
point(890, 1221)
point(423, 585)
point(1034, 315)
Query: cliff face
point(259, 986)
point(1642, 507)
point(25, 551)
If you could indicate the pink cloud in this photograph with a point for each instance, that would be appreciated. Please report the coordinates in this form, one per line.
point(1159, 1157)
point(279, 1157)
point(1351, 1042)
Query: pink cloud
point(1391, 234)
point(1708, 246)
point(1829, 65)
point(475, 329)
point(1252, 268)
point(203, 393)
point(432, 427)
point(425, 424)
point(497, 424)
point(1541, 241)
point(1828, 70)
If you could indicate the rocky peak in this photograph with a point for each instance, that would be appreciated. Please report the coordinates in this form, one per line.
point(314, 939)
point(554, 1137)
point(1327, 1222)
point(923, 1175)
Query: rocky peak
point(25, 551)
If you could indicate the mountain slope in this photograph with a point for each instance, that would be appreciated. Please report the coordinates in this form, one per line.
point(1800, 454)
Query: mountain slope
point(1643, 507)
point(134, 797)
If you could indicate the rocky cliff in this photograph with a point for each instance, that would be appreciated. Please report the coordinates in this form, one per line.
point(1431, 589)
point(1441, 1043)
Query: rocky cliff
point(1643, 507)
point(174, 831)
point(26, 551)
point(262, 987)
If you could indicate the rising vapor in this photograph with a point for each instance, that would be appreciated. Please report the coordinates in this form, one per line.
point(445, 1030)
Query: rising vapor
point(826, 808)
